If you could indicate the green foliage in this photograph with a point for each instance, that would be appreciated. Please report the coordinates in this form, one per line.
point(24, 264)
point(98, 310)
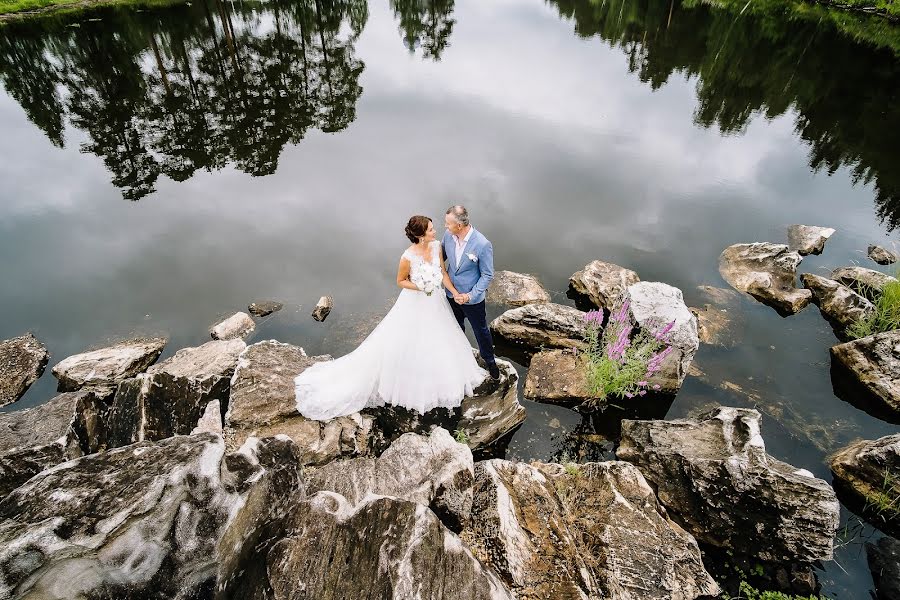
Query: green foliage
point(572, 469)
point(748, 592)
point(461, 436)
point(885, 501)
point(885, 317)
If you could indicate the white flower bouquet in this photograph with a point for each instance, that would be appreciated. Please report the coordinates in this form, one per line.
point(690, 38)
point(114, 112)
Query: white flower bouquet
point(427, 279)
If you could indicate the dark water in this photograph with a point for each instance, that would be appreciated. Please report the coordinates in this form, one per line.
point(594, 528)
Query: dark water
point(163, 167)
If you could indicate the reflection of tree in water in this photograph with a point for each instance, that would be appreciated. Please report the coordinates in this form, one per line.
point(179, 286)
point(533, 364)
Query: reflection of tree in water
point(169, 92)
point(425, 24)
point(844, 94)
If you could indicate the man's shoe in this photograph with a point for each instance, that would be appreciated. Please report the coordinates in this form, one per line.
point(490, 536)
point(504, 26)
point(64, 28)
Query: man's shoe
point(494, 371)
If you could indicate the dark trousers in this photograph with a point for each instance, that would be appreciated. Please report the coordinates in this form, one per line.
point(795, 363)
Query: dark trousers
point(477, 316)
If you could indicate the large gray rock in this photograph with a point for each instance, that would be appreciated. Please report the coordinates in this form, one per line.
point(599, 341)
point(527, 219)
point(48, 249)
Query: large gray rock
point(151, 529)
point(538, 326)
point(107, 367)
point(583, 531)
point(493, 413)
point(881, 255)
point(866, 282)
point(839, 304)
point(557, 377)
point(714, 477)
point(262, 403)
point(867, 475)
point(516, 289)
point(381, 549)
point(767, 272)
point(237, 325)
point(869, 370)
point(171, 397)
point(22, 362)
point(599, 284)
point(434, 471)
point(808, 239)
point(884, 562)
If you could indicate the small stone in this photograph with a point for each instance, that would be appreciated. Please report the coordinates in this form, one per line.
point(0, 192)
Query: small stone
point(22, 362)
point(516, 289)
point(881, 255)
point(808, 239)
point(323, 308)
point(237, 325)
point(264, 308)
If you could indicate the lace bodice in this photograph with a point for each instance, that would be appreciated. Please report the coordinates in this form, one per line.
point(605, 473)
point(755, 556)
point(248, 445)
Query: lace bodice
point(416, 262)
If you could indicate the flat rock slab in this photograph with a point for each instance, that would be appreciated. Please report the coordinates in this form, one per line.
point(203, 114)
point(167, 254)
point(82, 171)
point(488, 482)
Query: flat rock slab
point(107, 367)
point(863, 281)
point(22, 362)
point(808, 239)
point(714, 477)
point(237, 325)
point(557, 377)
point(599, 284)
point(516, 289)
point(839, 304)
point(171, 397)
point(884, 562)
point(767, 272)
point(381, 549)
point(867, 476)
point(881, 255)
point(871, 368)
point(264, 308)
point(538, 326)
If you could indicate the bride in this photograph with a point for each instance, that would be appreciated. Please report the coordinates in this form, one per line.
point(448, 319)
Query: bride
point(417, 357)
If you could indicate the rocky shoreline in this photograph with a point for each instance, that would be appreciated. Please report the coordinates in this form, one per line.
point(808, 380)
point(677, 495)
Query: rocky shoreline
point(196, 477)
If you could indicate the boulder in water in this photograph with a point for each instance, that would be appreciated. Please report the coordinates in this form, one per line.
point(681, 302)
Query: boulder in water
point(866, 372)
point(22, 362)
point(557, 377)
point(237, 325)
point(323, 308)
point(884, 563)
point(863, 281)
point(516, 289)
point(767, 272)
point(881, 255)
point(808, 239)
point(839, 304)
point(538, 326)
point(867, 476)
point(599, 284)
point(264, 308)
point(107, 367)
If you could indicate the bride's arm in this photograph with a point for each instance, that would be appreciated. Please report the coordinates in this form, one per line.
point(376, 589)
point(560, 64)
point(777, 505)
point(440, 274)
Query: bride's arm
point(403, 276)
point(448, 285)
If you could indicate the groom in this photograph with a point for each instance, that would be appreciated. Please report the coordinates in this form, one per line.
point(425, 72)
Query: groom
point(470, 258)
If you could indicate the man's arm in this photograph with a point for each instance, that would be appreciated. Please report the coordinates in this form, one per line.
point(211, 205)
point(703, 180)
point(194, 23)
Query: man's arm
point(486, 264)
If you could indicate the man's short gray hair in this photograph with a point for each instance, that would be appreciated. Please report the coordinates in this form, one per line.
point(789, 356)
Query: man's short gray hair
point(460, 214)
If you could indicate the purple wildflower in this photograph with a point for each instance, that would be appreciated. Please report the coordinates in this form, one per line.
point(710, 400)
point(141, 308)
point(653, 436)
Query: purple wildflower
point(642, 393)
point(629, 395)
point(642, 383)
point(656, 387)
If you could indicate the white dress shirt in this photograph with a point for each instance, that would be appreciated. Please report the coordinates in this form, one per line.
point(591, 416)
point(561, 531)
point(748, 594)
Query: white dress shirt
point(461, 245)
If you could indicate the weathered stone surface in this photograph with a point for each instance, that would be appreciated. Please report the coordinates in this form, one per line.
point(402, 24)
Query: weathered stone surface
point(171, 397)
point(262, 403)
point(881, 255)
point(434, 471)
point(380, 549)
point(716, 480)
point(585, 531)
point(714, 326)
point(537, 326)
point(323, 308)
point(808, 239)
point(557, 377)
point(871, 365)
point(599, 284)
point(767, 272)
point(865, 282)
point(516, 289)
point(652, 305)
point(156, 513)
point(494, 412)
point(264, 308)
point(237, 325)
point(884, 562)
point(211, 421)
point(839, 304)
point(22, 362)
point(107, 367)
point(867, 475)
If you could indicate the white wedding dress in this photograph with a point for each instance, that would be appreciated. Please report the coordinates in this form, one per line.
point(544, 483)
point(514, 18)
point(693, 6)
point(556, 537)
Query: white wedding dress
point(417, 357)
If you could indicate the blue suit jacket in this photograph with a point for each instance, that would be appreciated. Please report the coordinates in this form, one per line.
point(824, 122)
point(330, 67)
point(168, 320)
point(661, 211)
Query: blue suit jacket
point(473, 276)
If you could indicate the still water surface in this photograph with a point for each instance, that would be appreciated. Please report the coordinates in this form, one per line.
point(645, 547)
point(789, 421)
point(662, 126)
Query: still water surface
point(164, 167)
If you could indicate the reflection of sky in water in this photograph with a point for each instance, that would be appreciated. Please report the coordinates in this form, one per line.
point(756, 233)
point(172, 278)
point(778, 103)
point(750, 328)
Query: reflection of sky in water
point(562, 157)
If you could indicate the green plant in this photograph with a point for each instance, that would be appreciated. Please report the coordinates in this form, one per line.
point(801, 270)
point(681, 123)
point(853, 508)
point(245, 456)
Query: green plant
point(461, 436)
point(572, 469)
point(885, 316)
point(748, 592)
point(885, 501)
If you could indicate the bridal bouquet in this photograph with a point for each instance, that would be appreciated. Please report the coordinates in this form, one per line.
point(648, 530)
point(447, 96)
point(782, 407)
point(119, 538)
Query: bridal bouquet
point(427, 280)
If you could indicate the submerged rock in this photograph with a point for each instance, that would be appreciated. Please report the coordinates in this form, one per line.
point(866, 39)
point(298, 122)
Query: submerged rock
point(592, 530)
point(867, 476)
point(866, 372)
point(264, 308)
point(22, 362)
point(538, 326)
point(839, 304)
point(866, 282)
point(599, 284)
point(716, 480)
point(150, 530)
point(808, 239)
point(767, 272)
point(237, 325)
point(171, 397)
point(516, 289)
point(884, 563)
point(107, 367)
point(323, 308)
point(882, 256)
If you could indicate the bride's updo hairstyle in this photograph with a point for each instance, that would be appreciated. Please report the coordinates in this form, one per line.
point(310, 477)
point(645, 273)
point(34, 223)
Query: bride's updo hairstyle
point(416, 228)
